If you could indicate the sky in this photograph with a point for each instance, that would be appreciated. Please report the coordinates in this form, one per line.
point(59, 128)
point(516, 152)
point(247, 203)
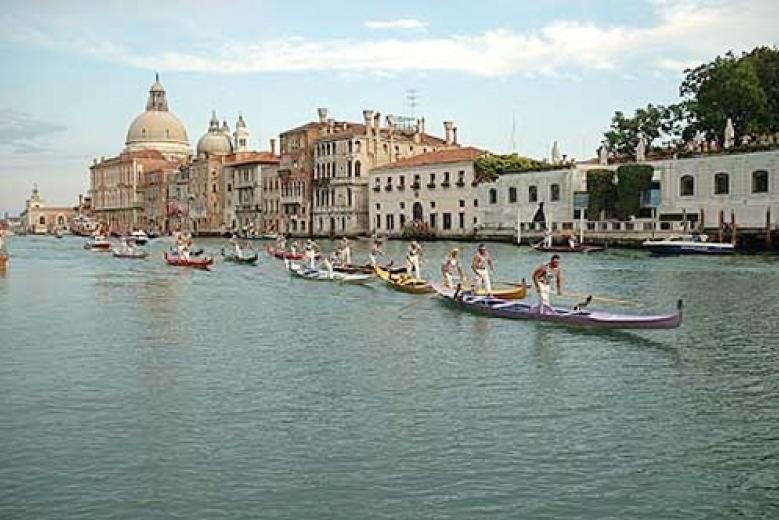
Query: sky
point(76, 73)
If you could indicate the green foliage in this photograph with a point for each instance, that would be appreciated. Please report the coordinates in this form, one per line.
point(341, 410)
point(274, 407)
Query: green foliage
point(489, 166)
point(602, 193)
point(632, 179)
point(744, 88)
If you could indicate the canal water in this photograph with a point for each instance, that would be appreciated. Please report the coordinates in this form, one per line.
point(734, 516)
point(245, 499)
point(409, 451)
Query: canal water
point(131, 389)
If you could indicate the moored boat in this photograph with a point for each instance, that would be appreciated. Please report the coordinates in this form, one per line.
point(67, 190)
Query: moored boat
point(583, 248)
point(687, 245)
point(578, 318)
point(197, 263)
point(323, 275)
point(402, 281)
point(140, 237)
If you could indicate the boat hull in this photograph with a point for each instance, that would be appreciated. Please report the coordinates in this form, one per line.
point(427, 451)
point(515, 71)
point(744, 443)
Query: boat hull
point(683, 249)
point(247, 260)
point(195, 263)
point(323, 276)
point(138, 255)
point(403, 282)
point(499, 308)
point(283, 255)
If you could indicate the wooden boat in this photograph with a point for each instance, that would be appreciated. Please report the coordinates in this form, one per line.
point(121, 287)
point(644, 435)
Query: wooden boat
point(583, 248)
point(198, 263)
point(578, 318)
point(402, 281)
point(517, 292)
point(132, 254)
point(283, 255)
point(3, 261)
point(229, 256)
point(98, 243)
point(354, 269)
point(687, 245)
point(323, 275)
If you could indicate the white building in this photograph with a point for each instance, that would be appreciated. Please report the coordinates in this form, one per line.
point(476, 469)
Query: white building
point(244, 173)
point(432, 192)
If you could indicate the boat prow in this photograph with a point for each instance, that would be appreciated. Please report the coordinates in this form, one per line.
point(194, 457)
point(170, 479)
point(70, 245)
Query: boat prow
point(578, 318)
point(402, 281)
point(197, 263)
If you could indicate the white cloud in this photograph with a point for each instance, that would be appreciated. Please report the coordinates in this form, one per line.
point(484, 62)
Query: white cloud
point(24, 132)
point(684, 32)
point(407, 24)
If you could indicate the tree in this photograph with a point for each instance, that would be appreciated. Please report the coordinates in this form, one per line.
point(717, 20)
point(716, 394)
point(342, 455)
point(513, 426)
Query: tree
point(602, 193)
point(632, 180)
point(653, 122)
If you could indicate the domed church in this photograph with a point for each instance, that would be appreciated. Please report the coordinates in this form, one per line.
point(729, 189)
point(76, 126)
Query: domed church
point(157, 128)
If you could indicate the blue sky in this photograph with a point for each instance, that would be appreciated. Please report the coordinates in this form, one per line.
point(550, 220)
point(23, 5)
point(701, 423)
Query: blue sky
point(76, 73)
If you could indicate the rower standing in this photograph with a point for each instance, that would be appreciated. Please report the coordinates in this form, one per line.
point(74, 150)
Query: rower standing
point(543, 277)
point(548, 238)
point(452, 266)
point(481, 265)
point(572, 242)
point(346, 251)
point(376, 251)
point(412, 260)
point(310, 250)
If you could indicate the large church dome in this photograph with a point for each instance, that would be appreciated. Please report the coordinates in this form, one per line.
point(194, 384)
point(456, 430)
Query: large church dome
point(157, 128)
point(216, 141)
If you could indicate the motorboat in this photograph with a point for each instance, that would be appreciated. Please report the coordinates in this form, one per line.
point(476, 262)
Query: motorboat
point(687, 245)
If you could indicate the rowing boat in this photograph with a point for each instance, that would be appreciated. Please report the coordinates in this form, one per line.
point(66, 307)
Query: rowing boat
point(567, 249)
point(518, 292)
point(354, 269)
point(403, 282)
point(244, 259)
point(283, 255)
point(323, 275)
point(133, 254)
point(579, 318)
point(197, 263)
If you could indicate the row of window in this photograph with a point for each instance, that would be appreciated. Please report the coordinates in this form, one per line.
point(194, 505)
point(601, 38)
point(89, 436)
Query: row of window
point(327, 197)
point(445, 182)
point(331, 148)
point(328, 170)
point(389, 221)
point(722, 183)
point(532, 194)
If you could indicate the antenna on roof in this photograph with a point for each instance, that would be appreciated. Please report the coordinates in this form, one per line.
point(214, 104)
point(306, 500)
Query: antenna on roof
point(412, 100)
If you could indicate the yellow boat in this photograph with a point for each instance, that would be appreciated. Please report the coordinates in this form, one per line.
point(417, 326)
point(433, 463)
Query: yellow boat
point(403, 282)
point(514, 293)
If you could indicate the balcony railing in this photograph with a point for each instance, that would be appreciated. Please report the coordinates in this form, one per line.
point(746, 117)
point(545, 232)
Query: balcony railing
point(292, 199)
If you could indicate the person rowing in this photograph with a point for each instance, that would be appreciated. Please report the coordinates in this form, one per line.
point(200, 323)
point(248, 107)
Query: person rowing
point(333, 259)
point(572, 242)
point(310, 250)
point(412, 260)
point(346, 251)
point(452, 266)
point(376, 251)
point(548, 238)
point(543, 277)
point(481, 265)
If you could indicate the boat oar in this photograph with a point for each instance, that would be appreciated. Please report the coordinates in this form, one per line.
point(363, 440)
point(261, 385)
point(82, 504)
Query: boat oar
point(604, 299)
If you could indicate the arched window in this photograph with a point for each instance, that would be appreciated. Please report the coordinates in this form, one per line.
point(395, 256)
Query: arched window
point(721, 184)
point(687, 186)
point(493, 196)
point(760, 181)
point(532, 194)
point(356, 168)
point(60, 220)
point(42, 220)
point(512, 194)
point(554, 192)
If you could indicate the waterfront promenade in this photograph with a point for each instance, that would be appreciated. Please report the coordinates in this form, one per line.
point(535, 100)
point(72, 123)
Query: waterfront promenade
point(138, 390)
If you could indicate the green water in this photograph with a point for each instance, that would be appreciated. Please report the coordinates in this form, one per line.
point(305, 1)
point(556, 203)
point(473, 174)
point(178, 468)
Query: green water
point(131, 389)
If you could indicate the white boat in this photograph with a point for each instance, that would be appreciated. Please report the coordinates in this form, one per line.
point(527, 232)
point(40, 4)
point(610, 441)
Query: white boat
point(140, 237)
point(687, 245)
point(98, 243)
point(324, 275)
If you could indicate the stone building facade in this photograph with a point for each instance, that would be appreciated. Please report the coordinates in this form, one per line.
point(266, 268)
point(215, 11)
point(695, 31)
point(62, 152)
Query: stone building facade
point(40, 218)
point(244, 173)
point(344, 155)
point(431, 193)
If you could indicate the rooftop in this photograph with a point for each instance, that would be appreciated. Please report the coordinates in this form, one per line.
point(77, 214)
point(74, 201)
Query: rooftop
point(452, 155)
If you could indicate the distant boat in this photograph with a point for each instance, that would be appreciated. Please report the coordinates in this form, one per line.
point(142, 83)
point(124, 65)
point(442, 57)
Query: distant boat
point(98, 243)
point(140, 237)
point(687, 245)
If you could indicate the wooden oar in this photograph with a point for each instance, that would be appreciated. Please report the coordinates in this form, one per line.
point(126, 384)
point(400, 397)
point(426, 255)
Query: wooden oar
point(604, 299)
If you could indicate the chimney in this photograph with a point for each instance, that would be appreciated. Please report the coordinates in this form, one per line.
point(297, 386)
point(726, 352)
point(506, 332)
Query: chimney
point(454, 135)
point(330, 125)
point(273, 146)
point(367, 115)
point(377, 124)
point(322, 112)
point(448, 125)
point(422, 125)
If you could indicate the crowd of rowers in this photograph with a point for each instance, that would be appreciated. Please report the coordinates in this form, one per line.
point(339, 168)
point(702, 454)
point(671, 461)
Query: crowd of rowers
point(544, 277)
